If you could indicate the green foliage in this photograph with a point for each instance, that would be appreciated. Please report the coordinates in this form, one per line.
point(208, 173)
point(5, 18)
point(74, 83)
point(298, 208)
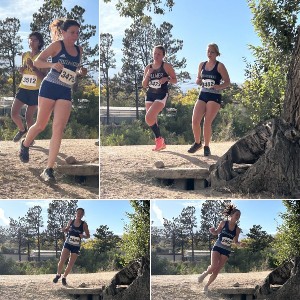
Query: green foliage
point(8, 266)
point(135, 8)
point(259, 239)
point(287, 239)
point(125, 134)
point(136, 238)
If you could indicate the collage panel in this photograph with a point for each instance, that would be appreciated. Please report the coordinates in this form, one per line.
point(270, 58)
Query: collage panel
point(225, 249)
point(74, 249)
point(49, 99)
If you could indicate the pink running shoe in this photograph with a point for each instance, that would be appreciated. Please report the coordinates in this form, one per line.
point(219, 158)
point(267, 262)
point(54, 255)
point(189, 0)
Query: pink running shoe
point(159, 144)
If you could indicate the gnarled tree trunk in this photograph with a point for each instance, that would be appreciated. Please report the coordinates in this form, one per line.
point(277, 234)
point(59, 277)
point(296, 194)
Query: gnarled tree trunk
point(286, 278)
point(268, 158)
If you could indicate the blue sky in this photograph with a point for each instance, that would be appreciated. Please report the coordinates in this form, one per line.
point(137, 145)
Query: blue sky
point(253, 212)
point(197, 23)
point(97, 212)
point(24, 9)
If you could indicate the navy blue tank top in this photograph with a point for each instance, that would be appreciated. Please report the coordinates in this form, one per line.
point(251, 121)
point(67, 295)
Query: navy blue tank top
point(70, 63)
point(73, 236)
point(226, 236)
point(154, 86)
point(210, 78)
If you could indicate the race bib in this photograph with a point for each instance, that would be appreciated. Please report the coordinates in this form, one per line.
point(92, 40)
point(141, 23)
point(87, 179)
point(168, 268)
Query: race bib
point(208, 83)
point(74, 240)
point(29, 80)
point(67, 76)
point(155, 84)
point(226, 241)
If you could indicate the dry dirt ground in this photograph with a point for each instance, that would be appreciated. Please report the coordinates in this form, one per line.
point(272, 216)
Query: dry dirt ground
point(123, 172)
point(41, 287)
point(22, 181)
point(186, 287)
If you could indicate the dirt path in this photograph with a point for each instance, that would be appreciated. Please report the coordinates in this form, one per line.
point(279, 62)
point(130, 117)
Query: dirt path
point(41, 287)
point(123, 172)
point(186, 287)
point(22, 181)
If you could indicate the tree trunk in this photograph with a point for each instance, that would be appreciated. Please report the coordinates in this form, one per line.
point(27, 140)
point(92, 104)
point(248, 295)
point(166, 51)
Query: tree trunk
point(286, 278)
point(268, 158)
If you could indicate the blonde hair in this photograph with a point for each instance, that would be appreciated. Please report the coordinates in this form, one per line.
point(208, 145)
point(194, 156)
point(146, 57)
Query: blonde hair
point(59, 25)
point(216, 48)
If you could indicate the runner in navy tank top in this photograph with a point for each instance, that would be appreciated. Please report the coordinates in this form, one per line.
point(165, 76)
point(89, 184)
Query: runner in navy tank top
point(55, 91)
point(156, 78)
point(212, 77)
point(228, 234)
point(76, 230)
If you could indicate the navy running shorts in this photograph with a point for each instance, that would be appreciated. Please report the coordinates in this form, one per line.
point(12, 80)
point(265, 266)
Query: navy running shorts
point(152, 97)
point(29, 97)
point(221, 251)
point(54, 91)
point(71, 248)
point(204, 96)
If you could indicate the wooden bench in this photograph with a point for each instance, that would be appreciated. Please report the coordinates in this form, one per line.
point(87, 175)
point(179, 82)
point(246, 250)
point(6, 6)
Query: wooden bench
point(181, 178)
point(86, 293)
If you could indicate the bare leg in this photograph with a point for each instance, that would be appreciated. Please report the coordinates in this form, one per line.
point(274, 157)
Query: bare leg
point(198, 113)
point(212, 109)
point(45, 108)
point(30, 111)
point(152, 111)
point(15, 114)
point(72, 260)
point(215, 271)
point(62, 110)
point(63, 257)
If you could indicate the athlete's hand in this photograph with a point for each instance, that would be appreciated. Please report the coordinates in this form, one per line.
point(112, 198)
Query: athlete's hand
point(198, 81)
point(29, 63)
point(82, 71)
point(163, 80)
point(212, 230)
point(58, 66)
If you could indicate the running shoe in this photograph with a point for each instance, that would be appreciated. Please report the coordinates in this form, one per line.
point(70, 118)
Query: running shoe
point(159, 144)
point(19, 135)
point(64, 281)
point(205, 290)
point(201, 277)
point(195, 147)
point(56, 278)
point(48, 175)
point(206, 151)
point(24, 153)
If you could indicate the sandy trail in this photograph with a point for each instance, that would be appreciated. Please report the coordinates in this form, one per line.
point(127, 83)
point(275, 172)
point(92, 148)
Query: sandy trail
point(41, 287)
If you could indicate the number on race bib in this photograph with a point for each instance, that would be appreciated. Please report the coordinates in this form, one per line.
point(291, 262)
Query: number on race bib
point(155, 84)
point(208, 83)
point(29, 80)
point(226, 241)
point(67, 76)
point(74, 240)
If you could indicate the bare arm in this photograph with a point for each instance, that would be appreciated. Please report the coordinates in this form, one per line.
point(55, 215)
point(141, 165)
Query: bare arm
point(51, 50)
point(225, 77)
point(86, 234)
point(172, 76)
point(66, 229)
point(147, 72)
point(199, 79)
point(218, 230)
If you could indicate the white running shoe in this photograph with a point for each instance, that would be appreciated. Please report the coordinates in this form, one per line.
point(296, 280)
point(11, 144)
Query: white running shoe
point(201, 277)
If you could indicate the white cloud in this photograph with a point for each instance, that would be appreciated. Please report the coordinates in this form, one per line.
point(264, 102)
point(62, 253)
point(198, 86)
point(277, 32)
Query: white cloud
point(3, 218)
point(157, 211)
point(110, 20)
point(44, 204)
point(20, 9)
